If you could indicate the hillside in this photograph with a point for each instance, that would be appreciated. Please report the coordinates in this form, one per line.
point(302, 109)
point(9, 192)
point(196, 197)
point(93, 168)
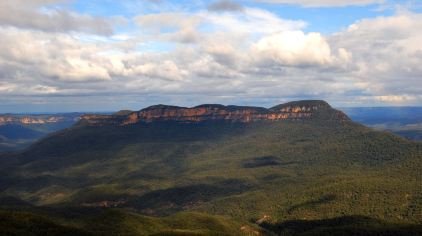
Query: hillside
point(403, 121)
point(296, 161)
point(19, 131)
point(77, 221)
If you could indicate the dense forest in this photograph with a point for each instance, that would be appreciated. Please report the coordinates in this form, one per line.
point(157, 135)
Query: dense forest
point(295, 177)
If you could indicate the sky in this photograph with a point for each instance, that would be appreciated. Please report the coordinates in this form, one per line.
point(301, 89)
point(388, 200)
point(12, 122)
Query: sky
point(75, 55)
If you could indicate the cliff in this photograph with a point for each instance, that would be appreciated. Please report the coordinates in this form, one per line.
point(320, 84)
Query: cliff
point(37, 119)
point(207, 112)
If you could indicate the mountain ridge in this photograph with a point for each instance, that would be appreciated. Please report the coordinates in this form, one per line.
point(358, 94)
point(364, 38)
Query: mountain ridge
point(295, 110)
point(37, 119)
point(318, 167)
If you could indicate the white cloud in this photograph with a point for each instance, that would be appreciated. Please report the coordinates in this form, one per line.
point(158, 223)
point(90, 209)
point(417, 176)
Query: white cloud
point(167, 70)
point(396, 99)
point(250, 20)
point(159, 21)
point(171, 26)
point(225, 5)
point(294, 48)
point(36, 14)
point(26, 54)
point(249, 56)
point(174, 27)
point(325, 3)
point(7, 88)
point(386, 52)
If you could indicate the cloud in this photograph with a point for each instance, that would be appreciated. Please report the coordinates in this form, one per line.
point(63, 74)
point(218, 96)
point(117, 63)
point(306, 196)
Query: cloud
point(386, 53)
point(324, 3)
point(167, 70)
point(53, 56)
point(251, 56)
point(171, 20)
point(175, 27)
point(225, 5)
point(396, 99)
point(294, 48)
point(43, 15)
point(250, 20)
point(191, 28)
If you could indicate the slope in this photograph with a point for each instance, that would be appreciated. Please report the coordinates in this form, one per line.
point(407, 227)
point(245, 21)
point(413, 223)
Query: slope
point(20, 131)
point(68, 221)
point(318, 167)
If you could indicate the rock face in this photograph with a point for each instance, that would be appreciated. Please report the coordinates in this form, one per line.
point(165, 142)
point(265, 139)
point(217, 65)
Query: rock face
point(288, 111)
point(36, 119)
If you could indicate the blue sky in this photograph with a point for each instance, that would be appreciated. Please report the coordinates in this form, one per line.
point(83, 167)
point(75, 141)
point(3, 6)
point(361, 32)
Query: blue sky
point(110, 55)
point(321, 19)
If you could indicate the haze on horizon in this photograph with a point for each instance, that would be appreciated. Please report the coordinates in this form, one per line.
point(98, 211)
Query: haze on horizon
point(74, 55)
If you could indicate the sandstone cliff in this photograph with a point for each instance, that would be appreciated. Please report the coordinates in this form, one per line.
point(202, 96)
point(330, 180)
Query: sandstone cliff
point(36, 119)
point(288, 111)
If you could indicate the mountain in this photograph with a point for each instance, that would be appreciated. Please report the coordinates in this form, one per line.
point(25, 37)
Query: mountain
point(216, 112)
point(403, 121)
point(380, 115)
point(298, 167)
point(39, 119)
point(19, 131)
point(118, 222)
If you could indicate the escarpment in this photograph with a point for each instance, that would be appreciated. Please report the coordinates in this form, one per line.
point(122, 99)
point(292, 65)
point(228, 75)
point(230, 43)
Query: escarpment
point(36, 119)
point(209, 112)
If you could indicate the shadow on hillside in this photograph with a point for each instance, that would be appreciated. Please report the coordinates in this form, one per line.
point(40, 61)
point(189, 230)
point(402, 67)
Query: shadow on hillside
point(11, 201)
point(323, 200)
point(346, 225)
point(265, 161)
point(171, 200)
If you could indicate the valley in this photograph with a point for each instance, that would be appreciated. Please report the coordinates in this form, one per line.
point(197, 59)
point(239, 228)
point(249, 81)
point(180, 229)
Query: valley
point(304, 170)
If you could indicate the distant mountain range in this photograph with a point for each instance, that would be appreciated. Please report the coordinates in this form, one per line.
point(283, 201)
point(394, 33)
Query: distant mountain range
point(215, 112)
point(378, 115)
point(403, 121)
point(300, 168)
point(18, 131)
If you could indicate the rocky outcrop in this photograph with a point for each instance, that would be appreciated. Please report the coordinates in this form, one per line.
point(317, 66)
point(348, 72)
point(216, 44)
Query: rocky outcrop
point(36, 119)
point(209, 112)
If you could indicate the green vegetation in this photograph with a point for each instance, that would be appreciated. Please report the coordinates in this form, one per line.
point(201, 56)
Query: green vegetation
point(293, 171)
point(13, 137)
point(403, 121)
point(68, 221)
point(17, 136)
point(24, 223)
point(123, 113)
point(410, 131)
point(349, 225)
